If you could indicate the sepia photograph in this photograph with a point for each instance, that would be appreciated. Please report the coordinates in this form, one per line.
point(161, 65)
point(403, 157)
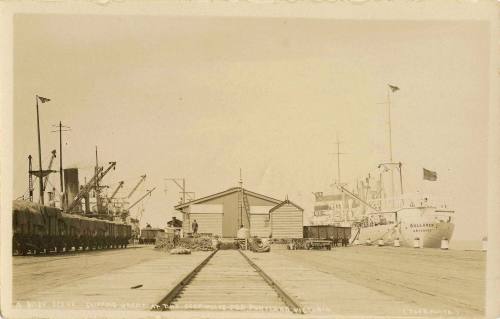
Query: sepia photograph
point(250, 160)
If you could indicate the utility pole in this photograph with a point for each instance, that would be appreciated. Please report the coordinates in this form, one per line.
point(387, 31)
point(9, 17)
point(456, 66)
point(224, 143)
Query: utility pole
point(181, 183)
point(61, 128)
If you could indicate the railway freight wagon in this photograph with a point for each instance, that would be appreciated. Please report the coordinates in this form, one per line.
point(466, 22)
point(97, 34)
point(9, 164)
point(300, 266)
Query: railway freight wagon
point(148, 235)
point(38, 228)
point(327, 232)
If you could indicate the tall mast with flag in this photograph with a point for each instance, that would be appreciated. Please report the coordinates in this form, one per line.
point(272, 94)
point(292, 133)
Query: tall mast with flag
point(392, 89)
point(40, 179)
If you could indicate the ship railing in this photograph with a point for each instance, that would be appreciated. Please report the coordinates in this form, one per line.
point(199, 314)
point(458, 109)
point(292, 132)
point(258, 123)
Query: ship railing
point(416, 200)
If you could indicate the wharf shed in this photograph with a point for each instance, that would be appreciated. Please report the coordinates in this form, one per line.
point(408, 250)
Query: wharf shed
point(223, 213)
point(260, 221)
point(286, 220)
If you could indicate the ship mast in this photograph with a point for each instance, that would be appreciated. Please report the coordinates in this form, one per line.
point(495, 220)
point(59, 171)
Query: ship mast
point(390, 136)
point(338, 153)
point(338, 159)
point(390, 90)
point(240, 200)
point(345, 210)
point(393, 89)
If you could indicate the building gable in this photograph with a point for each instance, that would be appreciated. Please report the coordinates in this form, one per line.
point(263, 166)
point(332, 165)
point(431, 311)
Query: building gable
point(254, 199)
point(286, 203)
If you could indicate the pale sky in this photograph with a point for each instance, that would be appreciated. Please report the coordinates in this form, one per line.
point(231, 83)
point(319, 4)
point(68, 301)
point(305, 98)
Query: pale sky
point(201, 97)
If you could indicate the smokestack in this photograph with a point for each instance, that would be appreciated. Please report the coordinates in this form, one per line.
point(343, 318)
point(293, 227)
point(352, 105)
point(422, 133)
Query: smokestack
point(71, 185)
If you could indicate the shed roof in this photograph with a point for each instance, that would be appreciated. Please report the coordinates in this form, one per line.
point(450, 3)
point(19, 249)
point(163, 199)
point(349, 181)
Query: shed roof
point(286, 201)
point(224, 193)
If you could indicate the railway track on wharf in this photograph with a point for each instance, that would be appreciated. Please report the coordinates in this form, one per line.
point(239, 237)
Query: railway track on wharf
point(227, 280)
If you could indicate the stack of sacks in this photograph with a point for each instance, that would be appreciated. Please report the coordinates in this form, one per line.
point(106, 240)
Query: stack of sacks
point(197, 243)
point(164, 242)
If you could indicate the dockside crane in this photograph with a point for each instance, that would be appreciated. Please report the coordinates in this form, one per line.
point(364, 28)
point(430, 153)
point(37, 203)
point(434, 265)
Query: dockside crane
point(90, 185)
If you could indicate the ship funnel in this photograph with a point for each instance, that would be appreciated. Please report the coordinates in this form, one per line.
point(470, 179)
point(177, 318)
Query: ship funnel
point(71, 184)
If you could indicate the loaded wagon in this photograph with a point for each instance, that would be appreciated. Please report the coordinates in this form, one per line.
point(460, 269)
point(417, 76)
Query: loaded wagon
point(37, 228)
point(149, 234)
point(326, 235)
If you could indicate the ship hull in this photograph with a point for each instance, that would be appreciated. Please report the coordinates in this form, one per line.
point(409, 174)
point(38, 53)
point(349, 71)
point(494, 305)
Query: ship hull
point(422, 226)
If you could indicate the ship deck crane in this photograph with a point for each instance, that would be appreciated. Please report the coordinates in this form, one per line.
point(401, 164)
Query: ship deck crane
point(120, 185)
point(343, 189)
point(40, 174)
point(109, 199)
point(140, 199)
point(90, 185)
point(143, 178)
point(46, 178)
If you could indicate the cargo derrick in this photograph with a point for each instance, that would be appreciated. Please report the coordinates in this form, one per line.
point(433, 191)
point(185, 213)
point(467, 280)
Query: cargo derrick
point(140, 199)
point(143, 178)
point(84, 192)
point(40, 174)
point(122, 211)
point(110, 199)
point(46, 178)
point(120, 185)
point(126, 213)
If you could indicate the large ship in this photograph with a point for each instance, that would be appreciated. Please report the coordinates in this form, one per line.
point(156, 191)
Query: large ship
point(375, 212)
point(410, 218)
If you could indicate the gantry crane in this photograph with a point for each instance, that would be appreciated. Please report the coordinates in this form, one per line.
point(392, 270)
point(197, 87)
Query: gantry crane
point(90, 185)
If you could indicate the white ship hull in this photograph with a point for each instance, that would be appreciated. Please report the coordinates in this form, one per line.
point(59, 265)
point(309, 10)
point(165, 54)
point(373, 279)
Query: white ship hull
point(424, 225)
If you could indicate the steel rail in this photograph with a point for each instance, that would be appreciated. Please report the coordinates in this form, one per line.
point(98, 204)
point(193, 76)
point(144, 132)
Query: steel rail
point(164, 304)
point(291, 303)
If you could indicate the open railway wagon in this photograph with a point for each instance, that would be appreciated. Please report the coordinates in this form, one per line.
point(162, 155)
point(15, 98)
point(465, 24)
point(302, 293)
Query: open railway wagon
point(38, 228)
point(148, 235)
point(327, 232)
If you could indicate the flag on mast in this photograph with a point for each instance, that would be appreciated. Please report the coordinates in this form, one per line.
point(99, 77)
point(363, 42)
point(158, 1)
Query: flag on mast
point(430, 175)
point(393, 88)
point(43, 99)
